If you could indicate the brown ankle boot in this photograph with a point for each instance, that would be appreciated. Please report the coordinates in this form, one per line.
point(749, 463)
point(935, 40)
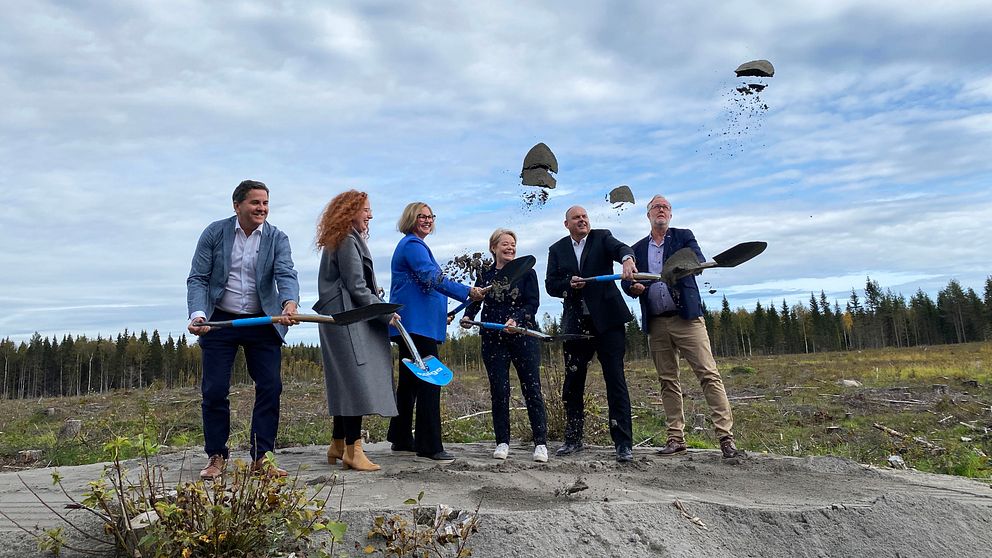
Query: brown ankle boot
point(335, 451)
point(354, 458)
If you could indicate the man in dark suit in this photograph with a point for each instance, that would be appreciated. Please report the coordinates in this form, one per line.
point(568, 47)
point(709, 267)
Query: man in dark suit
point(242, 268)
point(595, 308)
point(673, 319)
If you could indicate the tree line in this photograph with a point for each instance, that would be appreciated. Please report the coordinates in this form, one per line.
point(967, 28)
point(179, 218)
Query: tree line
point(47, 367)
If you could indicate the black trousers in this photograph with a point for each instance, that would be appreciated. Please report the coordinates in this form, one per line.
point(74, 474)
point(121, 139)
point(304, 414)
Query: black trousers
point(263, 356)
point(348, 428)
point(413, 392)
point(498, 351)
point(609, 346)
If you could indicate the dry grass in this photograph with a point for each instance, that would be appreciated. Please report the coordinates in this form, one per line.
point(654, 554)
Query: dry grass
point(789, 404)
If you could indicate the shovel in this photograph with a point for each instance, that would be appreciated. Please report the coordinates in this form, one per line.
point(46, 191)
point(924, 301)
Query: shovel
point(429, 369)
point(531, 333)
point(513, 270)
point(341, 318)
point(683, 263)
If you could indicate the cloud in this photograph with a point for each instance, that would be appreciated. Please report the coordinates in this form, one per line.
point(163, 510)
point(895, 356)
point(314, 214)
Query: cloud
point(124, 128)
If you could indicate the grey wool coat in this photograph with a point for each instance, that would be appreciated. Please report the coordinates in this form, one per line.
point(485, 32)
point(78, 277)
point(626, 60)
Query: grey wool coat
point(358, 368)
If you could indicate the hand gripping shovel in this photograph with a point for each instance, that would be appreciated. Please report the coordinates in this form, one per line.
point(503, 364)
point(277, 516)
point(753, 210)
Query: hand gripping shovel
point(531, 333)
point(513, 270)
point(684, 262)
point(429, 369)
point(341, 318)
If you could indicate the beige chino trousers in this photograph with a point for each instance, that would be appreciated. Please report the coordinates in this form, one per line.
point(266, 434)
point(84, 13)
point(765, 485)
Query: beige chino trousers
point(669, 337)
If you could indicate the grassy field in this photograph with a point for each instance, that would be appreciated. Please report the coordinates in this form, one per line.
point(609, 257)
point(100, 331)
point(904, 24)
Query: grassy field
point(939, 397)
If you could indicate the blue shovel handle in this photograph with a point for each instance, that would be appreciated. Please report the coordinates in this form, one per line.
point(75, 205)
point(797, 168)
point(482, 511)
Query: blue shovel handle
point(248, 322)
point(614, 277)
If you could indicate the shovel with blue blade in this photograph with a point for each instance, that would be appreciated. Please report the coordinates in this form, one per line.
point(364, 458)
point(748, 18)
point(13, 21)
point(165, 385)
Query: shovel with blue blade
point(430, 369)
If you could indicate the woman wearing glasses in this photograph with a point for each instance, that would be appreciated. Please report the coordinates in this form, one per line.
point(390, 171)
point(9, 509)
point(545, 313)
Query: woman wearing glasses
point(420, 286)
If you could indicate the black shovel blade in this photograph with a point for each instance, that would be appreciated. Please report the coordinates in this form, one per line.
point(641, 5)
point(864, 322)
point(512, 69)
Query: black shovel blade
point(739, 254)
point(365, 313)
point(517, 268)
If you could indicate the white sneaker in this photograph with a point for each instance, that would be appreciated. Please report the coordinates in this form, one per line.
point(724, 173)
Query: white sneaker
point(541, 454)
point(502, 450)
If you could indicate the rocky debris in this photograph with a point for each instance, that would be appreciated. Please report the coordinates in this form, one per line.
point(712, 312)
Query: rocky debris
point(532, 198)
point(751, 88)
point(621, 197)
point(896, 462)
point(25, 457)
point(541, 157)
point(848, 383)
point(466, 267)
point(538, 165)
point(755, 68)
point(578, 486)
point(70, 429)
point(678, 264)
point(537, 177)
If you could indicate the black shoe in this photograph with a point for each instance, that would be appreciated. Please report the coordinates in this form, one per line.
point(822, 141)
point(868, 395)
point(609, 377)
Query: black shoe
point(439, 457)
point(402, 447)
point(729, 449)
point(568, 448)
point(624, 455)
point(672, 447)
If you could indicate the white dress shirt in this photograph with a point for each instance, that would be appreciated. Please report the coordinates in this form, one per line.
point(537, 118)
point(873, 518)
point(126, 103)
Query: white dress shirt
point(240, 295)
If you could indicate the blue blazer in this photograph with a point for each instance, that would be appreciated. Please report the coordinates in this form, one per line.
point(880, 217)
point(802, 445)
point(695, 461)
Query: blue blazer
point(419, 285)
point(686, 291)
point(275, 278)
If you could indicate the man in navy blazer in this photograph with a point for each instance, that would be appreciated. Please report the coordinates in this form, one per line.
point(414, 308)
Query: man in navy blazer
point(242, 268)
point(595, 308)
point(673, 320)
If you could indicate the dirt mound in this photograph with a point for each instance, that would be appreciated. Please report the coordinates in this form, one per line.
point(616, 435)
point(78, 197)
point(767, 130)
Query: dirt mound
point(762, 505)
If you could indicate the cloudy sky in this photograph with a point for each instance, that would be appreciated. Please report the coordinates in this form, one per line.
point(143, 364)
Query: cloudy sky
point(124, 127)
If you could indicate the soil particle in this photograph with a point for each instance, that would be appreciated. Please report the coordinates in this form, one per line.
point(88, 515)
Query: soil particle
point(466, 267)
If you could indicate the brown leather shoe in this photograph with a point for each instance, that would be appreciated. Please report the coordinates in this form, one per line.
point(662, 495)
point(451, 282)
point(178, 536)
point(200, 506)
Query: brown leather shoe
point(672, 447)
point(355, 458)
point(260, 467)
point(729, 449)
point(214, 469)
point(335, 451)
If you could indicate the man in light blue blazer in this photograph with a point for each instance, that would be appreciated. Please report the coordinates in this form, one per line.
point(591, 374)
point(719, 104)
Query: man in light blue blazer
point(242, 268)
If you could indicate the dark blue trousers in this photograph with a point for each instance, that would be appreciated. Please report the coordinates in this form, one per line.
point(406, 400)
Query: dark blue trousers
point(609, 346)
point(498, 351)
point(263, 355)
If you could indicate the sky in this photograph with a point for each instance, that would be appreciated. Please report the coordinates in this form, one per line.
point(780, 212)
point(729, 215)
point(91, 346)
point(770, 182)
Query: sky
point(125, 126)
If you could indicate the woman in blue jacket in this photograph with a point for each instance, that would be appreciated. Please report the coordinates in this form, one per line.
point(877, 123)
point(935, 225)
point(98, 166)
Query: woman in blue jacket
point(421, 287)
point(514, 305)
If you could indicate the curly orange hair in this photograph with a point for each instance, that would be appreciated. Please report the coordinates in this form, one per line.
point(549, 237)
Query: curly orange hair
point(335, 222)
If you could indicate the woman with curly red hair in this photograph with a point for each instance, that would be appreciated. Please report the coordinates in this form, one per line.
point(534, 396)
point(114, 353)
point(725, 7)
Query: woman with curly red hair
point(357, 360)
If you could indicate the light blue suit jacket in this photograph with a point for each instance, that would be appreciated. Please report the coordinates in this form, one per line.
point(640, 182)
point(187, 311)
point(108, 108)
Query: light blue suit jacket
point(275, 278)
point(419, 285)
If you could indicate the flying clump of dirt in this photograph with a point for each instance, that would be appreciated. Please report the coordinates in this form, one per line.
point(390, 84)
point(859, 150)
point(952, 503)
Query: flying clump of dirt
point(621, 198)
point(745, 109)
point(539, 168)
point(535, 198)
point(465, 268)
point(755, 68)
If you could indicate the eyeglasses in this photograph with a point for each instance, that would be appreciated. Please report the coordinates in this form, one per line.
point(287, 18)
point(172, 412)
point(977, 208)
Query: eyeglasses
point(660, 206)
point(426, 217)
